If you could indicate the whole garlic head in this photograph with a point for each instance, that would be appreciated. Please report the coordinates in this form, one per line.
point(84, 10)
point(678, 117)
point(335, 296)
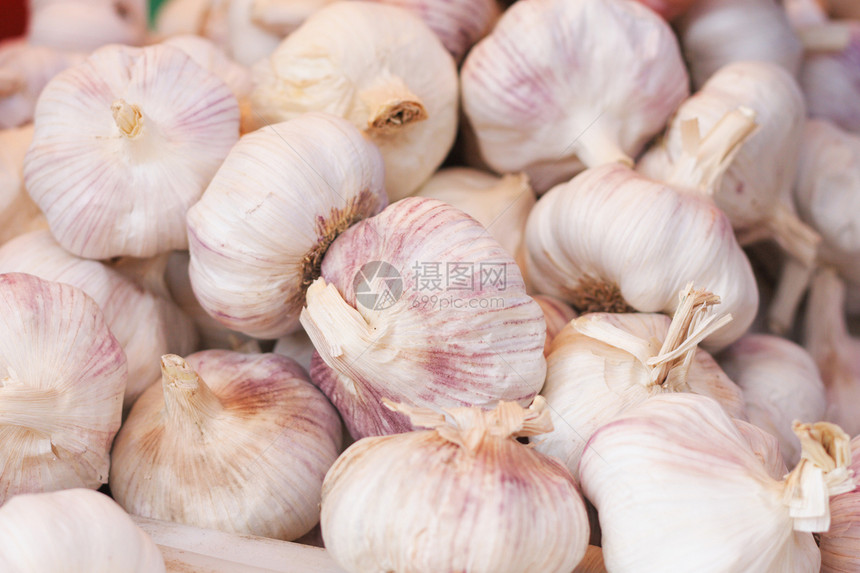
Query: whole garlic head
point(593, 83)
point(62, 378)
point(86, 532)
point(377, 66)
point(228, 441)
point(85, 25)
point(124, 143)
point(461, 496)
point(830, 80)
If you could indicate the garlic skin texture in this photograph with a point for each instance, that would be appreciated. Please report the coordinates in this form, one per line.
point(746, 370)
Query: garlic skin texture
point(755, 191)
point(557, 314)
point(461, 496)
point(18, 213)
point(63, 377)
point(675, 473)
point(529, 117)
point(227, 441)
point(476, 339)
point(144, 129)
point(257, 244)
point(213, 59)
point(85, 25)
point(715, 33)
point(380, 68)
point(830, 80)
point(500, 204)
point(145, 324)
point(612, 240)
point(780, 384)
point(602, 364)
point(839, 545)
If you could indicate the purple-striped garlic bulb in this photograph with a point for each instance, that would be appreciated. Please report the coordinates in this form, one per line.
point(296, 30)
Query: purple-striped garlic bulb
point(18, 213)
point(228, 441)
point(421, 306)
point(145, 324)
point(259, 234)
point(124, 143)
point(62, 378)
point(840, 546)
point(85, 25)
point(377, 66)
point(830, 77)
point(463, 495)
point(539, 96)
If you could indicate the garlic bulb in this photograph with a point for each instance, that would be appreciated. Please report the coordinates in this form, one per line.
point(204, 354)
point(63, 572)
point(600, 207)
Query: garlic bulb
point(461, 496)
point(839, 546)
point(756, 189)
point(145, 324)
point(377, 66)
point(227, 441)
point(251, 39)
point(830, 81)
point(501, 205)
point(675, 473)
point(86, 532)
point(780, 384)
point(557, 314)
point(257, 243)
point(84, 25)
point(715, 33)
point(24, 71)
point(527, 115)
point(63, 377)
point(601, 365)
point(206, 18)
point(18, 213)
point(421, 306)
point(612, 240)
point(124, 143)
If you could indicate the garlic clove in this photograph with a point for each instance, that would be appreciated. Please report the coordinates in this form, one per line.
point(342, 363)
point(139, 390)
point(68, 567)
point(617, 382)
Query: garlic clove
point(87, 533)
point(227, 441)
point(124, 143)
point(63, 378)
point(257, 245)
point(85, 25)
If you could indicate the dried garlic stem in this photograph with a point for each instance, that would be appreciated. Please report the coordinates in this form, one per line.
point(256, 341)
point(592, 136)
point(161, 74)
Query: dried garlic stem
point(793, 235)
point(826, 37)
point(792, 285)
point(594, 148)
point(392, 105)
point(187, 398)
point(128, 118)
point(825, 324)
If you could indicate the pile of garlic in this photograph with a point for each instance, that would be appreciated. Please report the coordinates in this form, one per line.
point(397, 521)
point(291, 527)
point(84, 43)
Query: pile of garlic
point(439, 285)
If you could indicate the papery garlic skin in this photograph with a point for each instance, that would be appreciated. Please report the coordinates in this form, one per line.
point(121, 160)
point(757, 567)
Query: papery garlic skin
point(228, 441)
point(780, 384)
point(384, 327)
point(18, 213)
point(145, 324)
point(257, 244)
point(377, 66)
point(85, 25)
point(124, 143)
point(830, 81)
point(557, 314)
point(86, 532)
point(464, 496)
point(527, 114)
point(63, 378)
point(840, 546)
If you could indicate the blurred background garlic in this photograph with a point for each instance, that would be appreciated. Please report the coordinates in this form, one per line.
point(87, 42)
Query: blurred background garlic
point(228, 441)
point(780, 384)
point(840, 546)
point(256, 27)
point(206, 18)
point(557, 314)
point(76, 531)
point(421, 306)
point(18, 213)
point(669, 9)
point(124, 143)
point(84, 25)
point(831, 79)
point(146, 324)
point(461, 496)
point(377, 66)
point(259, 234)
point(603, 364)
point(529, 116)
point(62, 378)
point(297, 346)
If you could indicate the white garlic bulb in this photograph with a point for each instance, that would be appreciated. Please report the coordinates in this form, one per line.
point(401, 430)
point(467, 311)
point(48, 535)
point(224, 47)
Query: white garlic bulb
point(601, 365)
point(622, 78)
point(830, 80)
point(206, 18)
point(62, 377)
point(18, 213)
point(75, 531)
point(461, 496)
point(756, 189)
point(715, 33)
point(145, 324)
point(421, 306)
point(675, 473)
point(557, 314)
point(780, 384)
point(840, 546)
point(124, 143)
point(228, 441)
point(84, 25)
point(500, 204)
point(377, 66)
point(257, 242)
point(252, 36)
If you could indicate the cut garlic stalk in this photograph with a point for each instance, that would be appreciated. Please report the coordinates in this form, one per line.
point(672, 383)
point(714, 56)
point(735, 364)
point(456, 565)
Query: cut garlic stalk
point(461, 496)
point(62, 377)
point(840, 546)
point(244, 451)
